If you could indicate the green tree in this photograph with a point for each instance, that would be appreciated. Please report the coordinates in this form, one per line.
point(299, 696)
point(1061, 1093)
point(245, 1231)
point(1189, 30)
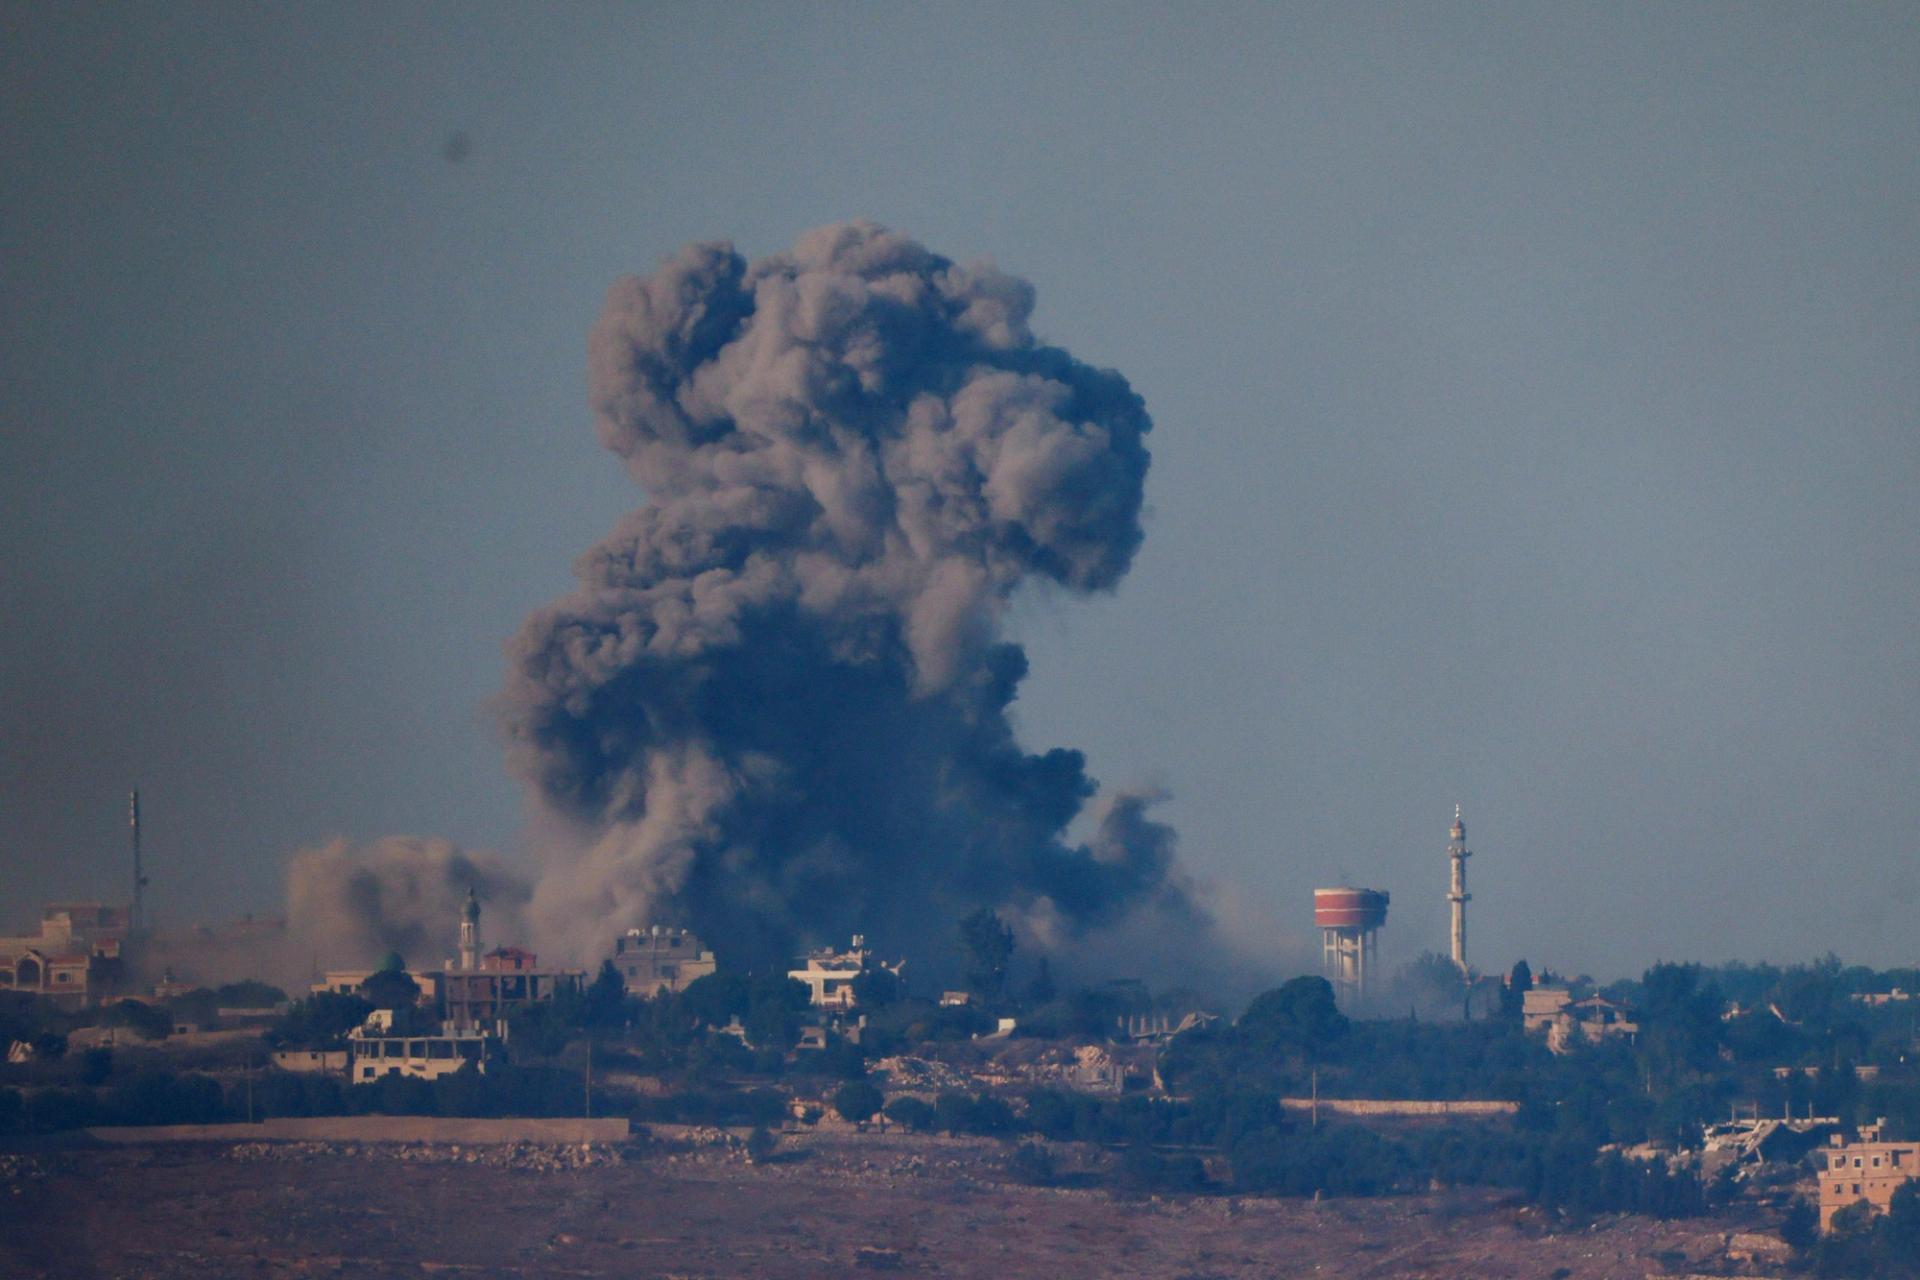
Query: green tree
point(1299, 1016)
point(1042, 990)
point(605, 1004)
point(321, 1021)
point(857, 1100)
point(391, 986)
point(986, 949)
point(1801, 1227)
point(716, 998)
point(911, 1113)
point(1513, 996)
point(876, 988)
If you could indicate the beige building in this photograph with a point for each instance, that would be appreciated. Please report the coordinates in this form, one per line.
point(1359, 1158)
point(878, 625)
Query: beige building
point(660, 959)
point(64, 960)
point(1565, 1020)
point(1869, 1170)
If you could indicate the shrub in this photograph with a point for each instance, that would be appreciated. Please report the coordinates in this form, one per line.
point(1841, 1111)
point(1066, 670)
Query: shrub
point(857, 1101)
point(1032, 1164)
point(911, 1113)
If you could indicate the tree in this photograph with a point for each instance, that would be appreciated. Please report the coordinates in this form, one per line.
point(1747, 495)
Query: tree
point(760, 1144)
point(1801, 1227)
point(321, 1021)
point(147, 1021)
point(1042, 989)
point(876, 988)
point(986, 948)
point(606, 999)
point(771, 1025)
point(857, 1100)
point(716, 998)
point(390, 988)
point(911, 1113)
point(1300, 1017)
point(1513, 997)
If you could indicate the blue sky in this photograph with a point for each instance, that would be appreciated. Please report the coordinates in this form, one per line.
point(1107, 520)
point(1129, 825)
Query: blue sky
point(1534, 392)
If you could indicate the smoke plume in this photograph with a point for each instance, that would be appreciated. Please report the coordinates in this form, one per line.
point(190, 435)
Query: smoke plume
point(351, 904)
point(775, 707)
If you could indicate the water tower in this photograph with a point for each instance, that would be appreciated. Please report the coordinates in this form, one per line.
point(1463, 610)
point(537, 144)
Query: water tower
point(1349, 921)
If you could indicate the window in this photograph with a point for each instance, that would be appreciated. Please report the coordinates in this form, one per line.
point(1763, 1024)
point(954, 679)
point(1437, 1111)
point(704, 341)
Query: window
point(366, 1073)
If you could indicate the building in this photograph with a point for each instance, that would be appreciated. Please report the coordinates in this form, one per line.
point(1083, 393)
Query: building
point(1869, 1170)
point(72, 959)
point(1564, 1019)
point(660, 959)
point(312, 1061)
point(1349, 920)
point(506, 979)
point(829, 975)
point(375, 1051)
point(1874, 999)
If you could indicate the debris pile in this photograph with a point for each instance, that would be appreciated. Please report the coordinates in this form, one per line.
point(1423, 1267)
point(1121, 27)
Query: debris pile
point(523, 1156)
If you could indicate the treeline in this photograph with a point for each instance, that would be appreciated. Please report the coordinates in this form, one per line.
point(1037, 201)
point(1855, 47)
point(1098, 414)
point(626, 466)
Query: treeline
point(151, 1096)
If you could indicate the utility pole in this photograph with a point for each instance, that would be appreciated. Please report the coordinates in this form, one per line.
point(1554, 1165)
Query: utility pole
point(589, 1086)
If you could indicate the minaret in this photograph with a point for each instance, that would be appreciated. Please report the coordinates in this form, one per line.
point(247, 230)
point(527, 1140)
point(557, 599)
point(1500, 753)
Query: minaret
point(1457, 851)
point(470, 932)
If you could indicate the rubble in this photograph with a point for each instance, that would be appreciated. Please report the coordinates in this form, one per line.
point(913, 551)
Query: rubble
point(15, 1170)
point(526, 1157)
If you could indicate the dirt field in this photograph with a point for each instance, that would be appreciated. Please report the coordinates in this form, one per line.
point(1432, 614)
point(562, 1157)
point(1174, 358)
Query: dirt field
point(828, 1206)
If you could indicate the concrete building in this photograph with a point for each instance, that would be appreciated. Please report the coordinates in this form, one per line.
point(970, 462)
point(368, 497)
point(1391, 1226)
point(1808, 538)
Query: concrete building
point(829, 975)
point(1565, 1020)
point(374, 1050)
point(1869, 1170)
point(505, 979)
point(660, 959)
point(70, 960)
point(312, 1061)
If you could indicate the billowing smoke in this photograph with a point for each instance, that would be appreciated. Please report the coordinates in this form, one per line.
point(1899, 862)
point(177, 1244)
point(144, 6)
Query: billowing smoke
point(351, 904)
point(775, 708)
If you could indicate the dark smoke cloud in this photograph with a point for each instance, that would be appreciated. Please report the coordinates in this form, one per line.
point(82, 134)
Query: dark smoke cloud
point(776, 706)
point(349, 904)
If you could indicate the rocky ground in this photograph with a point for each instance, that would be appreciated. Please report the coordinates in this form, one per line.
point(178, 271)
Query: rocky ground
point(690, 1204)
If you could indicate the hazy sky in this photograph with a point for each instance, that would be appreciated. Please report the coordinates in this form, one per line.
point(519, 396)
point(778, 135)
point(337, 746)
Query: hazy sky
point(1535, 396)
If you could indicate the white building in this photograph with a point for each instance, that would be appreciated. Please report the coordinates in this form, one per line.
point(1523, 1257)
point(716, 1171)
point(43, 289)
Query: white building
point(375, 1050)
point(829, 975)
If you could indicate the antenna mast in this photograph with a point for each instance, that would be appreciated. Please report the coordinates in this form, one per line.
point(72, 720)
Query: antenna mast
point(138, 920)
